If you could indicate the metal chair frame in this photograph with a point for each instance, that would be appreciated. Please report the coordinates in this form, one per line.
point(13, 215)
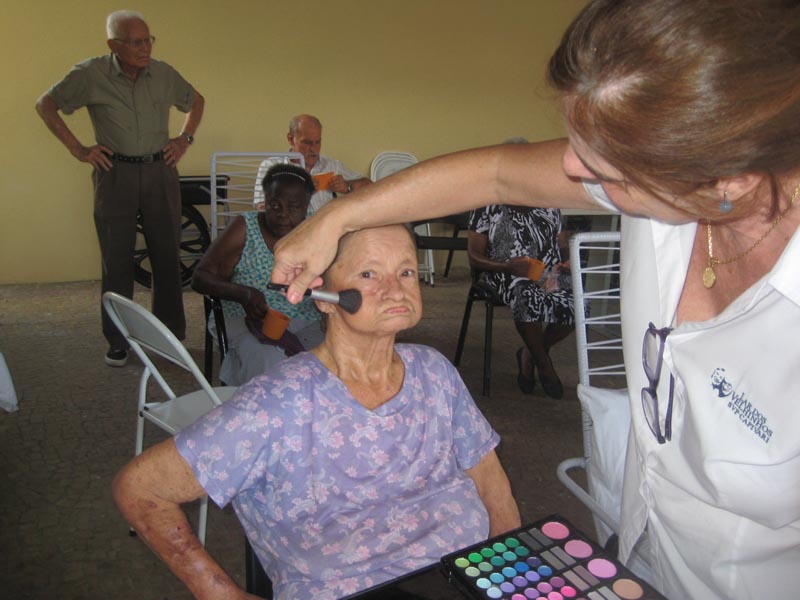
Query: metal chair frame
point(481, 292)
point(147, 335)
point(213, 305)
point(234, 177)
point(594, 260)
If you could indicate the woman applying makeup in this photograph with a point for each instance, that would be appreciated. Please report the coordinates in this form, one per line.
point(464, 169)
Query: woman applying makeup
point(683, 116)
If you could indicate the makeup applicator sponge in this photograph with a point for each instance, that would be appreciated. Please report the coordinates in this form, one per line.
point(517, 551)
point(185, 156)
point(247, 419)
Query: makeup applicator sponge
point(348, 300)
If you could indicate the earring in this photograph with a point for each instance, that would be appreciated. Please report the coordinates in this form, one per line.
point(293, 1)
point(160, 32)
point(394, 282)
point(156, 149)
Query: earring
point(726, 205)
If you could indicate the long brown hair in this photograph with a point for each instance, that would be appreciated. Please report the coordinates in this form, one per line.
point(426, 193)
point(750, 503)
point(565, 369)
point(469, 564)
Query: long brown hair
point(677, 94)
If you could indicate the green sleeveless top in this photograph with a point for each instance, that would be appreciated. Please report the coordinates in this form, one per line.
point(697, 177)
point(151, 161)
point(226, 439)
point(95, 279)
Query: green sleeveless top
point(254, 270)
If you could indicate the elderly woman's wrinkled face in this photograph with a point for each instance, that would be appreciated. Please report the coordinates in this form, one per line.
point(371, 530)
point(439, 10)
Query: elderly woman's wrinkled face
point(382, 264)
point(285, 206)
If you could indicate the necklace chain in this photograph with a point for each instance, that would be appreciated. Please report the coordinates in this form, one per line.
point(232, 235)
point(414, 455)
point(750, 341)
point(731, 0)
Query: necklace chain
point(709, 276)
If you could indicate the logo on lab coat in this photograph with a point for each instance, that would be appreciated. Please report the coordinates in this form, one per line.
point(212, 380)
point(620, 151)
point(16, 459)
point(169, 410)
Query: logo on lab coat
point(740, 406)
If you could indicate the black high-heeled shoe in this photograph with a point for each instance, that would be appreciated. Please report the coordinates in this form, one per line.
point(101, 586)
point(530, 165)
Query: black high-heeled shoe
point(526, 384)
point(553, 388)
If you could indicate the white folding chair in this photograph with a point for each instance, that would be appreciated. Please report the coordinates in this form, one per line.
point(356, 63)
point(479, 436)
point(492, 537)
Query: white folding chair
point(388, 163)
point(147, 335)
point(595, 264)
point(236, 179)
point(594, 261)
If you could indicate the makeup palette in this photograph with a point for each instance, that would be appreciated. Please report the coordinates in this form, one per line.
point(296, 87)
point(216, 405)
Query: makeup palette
point(548, 559)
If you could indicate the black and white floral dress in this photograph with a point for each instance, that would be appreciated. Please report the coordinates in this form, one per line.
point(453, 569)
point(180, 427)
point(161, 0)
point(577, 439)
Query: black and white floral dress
point(523, 231)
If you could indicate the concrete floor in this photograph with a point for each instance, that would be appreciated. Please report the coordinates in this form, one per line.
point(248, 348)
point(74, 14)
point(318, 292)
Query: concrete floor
point(60, 533)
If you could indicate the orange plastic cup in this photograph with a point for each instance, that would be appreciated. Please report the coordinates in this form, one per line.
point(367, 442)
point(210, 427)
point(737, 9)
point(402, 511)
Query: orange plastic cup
point(275, 324)
point(322, 181)
point(535, 269)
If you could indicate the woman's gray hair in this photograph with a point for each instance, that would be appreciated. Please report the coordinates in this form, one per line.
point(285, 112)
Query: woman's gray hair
point(516, 140)
point(117, 18)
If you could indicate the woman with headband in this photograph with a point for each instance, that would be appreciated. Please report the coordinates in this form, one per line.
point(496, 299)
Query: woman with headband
point(237, 267)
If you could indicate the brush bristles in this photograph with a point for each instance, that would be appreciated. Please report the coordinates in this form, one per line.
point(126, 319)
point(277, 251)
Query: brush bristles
point(350, 300)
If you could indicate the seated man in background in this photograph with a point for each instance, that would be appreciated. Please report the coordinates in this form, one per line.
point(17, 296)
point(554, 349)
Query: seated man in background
point(349, 465)
point(331, 177)
point(237, 266)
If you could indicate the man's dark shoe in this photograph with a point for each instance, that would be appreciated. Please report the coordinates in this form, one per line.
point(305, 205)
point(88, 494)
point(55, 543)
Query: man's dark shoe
point(116, 357)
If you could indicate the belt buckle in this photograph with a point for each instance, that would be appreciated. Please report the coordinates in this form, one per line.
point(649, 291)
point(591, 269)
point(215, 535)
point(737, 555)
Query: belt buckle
point(147, 159)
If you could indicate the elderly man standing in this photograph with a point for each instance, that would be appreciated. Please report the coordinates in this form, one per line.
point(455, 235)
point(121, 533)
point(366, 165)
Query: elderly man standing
point(330, 175)
point(129, 96)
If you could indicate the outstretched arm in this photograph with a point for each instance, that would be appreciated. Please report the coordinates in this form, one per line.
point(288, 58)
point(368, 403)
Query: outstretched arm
point(148, 492)
point(522, 174)
point(495, 491)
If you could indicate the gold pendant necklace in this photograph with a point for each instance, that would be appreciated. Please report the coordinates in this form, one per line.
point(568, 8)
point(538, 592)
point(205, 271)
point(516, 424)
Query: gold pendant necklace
point(709, 276)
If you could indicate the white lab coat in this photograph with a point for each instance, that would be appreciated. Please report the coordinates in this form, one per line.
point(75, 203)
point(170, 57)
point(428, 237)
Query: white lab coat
point(721, 501)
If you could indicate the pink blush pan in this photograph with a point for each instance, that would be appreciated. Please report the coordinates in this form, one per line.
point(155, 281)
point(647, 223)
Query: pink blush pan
point(602, 568)
point(578, 549)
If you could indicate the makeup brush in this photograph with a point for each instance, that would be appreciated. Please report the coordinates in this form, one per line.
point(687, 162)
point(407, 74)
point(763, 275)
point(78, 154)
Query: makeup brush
point(349, 300)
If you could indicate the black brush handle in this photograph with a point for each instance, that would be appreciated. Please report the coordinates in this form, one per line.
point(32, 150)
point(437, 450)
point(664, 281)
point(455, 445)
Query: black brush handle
point(332, 297)
point(348, 300)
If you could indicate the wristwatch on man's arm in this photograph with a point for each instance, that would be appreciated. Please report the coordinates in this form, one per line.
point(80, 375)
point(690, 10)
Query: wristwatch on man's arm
point(188, 137)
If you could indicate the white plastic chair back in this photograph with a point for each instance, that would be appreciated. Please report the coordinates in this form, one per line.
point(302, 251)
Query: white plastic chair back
point(146, 335)
point(236, 178)
point(389, 163)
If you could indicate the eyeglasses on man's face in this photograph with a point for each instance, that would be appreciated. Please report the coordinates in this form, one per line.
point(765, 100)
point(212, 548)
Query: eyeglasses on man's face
point(652, 361)
point(138, 43)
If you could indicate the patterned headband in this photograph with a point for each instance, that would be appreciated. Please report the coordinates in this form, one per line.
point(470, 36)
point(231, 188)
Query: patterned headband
point(292, 173)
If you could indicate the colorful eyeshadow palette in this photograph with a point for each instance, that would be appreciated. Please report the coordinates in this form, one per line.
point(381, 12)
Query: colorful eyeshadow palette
point(549, 559)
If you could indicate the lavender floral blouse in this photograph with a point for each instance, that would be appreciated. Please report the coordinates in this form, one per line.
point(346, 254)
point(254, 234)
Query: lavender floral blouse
point(334, 497)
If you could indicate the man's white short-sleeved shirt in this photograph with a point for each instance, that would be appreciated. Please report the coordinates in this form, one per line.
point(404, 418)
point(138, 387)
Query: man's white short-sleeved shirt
point(320, 198)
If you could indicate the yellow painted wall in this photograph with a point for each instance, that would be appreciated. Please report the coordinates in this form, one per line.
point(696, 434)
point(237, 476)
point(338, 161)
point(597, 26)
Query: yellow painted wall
point(423, 76)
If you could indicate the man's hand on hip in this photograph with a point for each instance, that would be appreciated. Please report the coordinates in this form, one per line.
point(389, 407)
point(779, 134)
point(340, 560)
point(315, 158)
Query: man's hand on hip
point(97, 156)
point(175, 149)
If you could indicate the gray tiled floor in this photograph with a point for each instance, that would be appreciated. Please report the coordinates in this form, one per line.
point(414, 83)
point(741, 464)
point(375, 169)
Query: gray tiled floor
point(60, 534)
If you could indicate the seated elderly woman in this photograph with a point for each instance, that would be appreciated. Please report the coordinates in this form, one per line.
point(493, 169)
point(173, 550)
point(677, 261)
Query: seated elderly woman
point(237, 267)
point(502, 240)
point(349, 465)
